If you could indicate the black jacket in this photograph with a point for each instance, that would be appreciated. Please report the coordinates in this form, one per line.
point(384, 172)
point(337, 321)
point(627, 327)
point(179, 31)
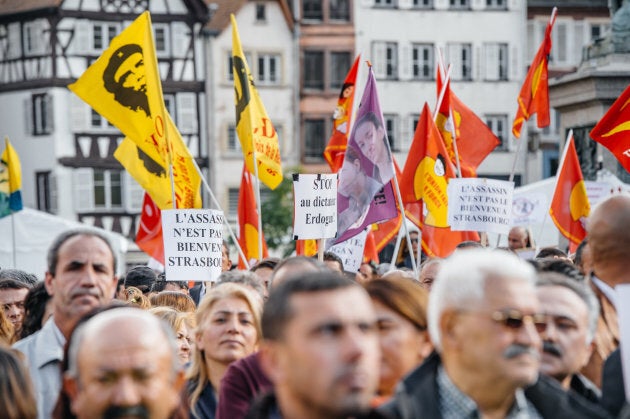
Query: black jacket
point(417, 397)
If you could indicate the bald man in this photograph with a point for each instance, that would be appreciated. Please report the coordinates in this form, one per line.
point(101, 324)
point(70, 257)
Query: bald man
point(518, 238)
point(123, 363)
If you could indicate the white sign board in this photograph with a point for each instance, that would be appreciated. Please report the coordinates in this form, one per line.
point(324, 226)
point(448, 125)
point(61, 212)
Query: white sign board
point(315, 201)
point(623, 315)
point(351, 251)
point(480, 205)
point(529, 208)
point(192, 244)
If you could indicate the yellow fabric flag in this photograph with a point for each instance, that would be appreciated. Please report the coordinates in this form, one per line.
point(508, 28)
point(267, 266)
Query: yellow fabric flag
point(253, 126)
point(124, 86)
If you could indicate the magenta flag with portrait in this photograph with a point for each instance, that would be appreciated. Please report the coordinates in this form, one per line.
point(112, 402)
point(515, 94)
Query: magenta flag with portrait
point(365, 194)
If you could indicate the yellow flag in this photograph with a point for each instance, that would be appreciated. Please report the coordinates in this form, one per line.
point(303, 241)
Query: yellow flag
point(124, 86)
point(255, 130)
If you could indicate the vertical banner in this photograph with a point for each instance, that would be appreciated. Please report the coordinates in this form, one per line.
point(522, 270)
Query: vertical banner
point(315, 206)
point(192, 244)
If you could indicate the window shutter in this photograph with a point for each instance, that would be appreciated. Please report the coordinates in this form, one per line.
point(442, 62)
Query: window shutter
point(532, 41)
point(491, 61)
point(15, 40)
point(454, 57)
point(49, 121)
point(28, 115)
point(181, 39)
point(186, 113)
point(579, 40)
point(379, 62)
point(83, 189)
point(134, 194)
point(52, 184)
point(405, 61)
point(79, 112)
point(82, 39)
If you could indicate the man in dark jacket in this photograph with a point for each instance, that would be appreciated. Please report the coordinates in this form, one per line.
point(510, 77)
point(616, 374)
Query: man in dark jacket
point(484, 319)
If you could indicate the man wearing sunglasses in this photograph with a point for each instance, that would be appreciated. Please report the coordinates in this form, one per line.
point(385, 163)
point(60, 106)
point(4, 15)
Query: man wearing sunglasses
point(485, 320)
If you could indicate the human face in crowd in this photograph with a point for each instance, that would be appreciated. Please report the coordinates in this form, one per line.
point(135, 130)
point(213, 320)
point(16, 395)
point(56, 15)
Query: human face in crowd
point(264, 277)
point(403, 346)
point(226, 263)
point(84, 278)
point(586, 266)
point(428, 274)
point(489, 349)
point(565, 346)
point(228, 332)
point(517, 238)
point(328, 358)
point(371, 141)
point(413, 237)
point(185, 342)
point(12, 302)
point(366, 272)
point(125, 371)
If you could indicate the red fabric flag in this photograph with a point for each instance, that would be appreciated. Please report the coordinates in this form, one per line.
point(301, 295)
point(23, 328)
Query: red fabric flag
point(248, 221)
point(149, 236)
point(569, 205)
point(612, 131)
point(534, 96)
point(369, 251)
point(336, 147)
point(457, 122)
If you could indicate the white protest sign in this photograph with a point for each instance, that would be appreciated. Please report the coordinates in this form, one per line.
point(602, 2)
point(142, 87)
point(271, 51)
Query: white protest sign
point(192, 244)
point(622, 295)
point(480, 204)
point(529, 208)
point(315, 202)
point(351, 251)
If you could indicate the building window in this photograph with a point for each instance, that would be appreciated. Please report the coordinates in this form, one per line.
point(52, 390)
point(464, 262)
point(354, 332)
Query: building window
point(460, 56)
point(268, 69)
point(314, 139)
point(391, 128)
point(459, 4)
point(41, 114)
point(261, 12)
point(339, 10)
point(314, 70)
point(499, 126)
point(312, 10)
point(102, 35)
point(422, 4)
point(44, 191)
point(385, 60)
point(385, 3)
point(160, 32)
point(107, 189)
point(496, 65)
point(33, 32)
point(422, 61)
point(340, 63)
point(233, 143)
point(496, 4)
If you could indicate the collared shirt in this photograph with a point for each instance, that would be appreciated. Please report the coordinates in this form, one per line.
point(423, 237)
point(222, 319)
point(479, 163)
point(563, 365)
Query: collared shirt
point(606, 289)
point(44, 353)
point(454, 404)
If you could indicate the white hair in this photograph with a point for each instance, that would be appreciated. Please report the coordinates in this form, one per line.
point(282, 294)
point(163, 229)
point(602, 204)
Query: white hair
point(461, 282)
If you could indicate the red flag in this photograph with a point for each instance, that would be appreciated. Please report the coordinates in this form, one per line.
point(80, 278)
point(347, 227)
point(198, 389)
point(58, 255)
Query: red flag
point(306, 247)
point(534, 96)
point(369, 251)
point(248, 221)
point(336, 147)
point(612, 130)
point(149, 236)
point(458, 123)
point(570, 206)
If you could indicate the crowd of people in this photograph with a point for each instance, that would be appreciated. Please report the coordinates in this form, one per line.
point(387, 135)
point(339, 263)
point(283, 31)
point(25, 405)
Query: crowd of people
point(483, 333)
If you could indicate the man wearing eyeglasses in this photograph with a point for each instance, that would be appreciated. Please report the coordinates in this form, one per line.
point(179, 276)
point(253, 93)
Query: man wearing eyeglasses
point(485, 320)
point(572, 310)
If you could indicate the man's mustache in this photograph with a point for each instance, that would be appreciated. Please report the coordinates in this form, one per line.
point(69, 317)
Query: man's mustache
point(114, 412)
point(552, 348)
point(516, 349)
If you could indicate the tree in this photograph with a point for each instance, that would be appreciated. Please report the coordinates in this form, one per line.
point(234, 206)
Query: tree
point(277, 215)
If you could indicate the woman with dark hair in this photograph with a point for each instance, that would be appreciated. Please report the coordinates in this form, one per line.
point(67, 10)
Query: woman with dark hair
point(17, 395)
point(37, 310)
point(401, 312)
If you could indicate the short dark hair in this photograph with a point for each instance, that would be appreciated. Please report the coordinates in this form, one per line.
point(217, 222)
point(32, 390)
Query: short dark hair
point(467, 244)
point(13, 284)
point(278, 309)
point(269, 263)
point(34, 309)
point(578, 252)
point(246, 278)
point(549, 252)
point(160, 284)
point(560, 266)
point(141, 277)
point(332, 257)
point(19, 275)
point(53, 252)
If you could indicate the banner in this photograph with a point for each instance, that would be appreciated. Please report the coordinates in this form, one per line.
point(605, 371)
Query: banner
point(315, 206)
point(351, 251)
point(10, 181)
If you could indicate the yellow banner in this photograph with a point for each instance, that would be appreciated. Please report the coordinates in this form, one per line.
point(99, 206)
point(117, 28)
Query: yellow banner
point(253, 126)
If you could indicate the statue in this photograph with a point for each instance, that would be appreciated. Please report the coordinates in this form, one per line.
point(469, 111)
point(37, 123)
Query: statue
point(621, 26)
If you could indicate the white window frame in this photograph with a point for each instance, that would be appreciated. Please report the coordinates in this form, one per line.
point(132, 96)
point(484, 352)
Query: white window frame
point(164, 28)
point(41, 112)
point(385, 3)
point(459, 4)
point(496, 4)
point(498, 124)
point(496, 61)
point(422, 4)
point(461, 68)
point(419, 63)
point(107, 183)
point(391, 128)
point(264, 75)
point(106, 38)
point(385, 60)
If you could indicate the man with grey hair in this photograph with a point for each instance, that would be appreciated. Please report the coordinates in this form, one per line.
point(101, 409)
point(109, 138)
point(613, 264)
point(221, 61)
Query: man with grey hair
point(572, 311)
point(123, 363)
point(81, 276)
point(484, 320)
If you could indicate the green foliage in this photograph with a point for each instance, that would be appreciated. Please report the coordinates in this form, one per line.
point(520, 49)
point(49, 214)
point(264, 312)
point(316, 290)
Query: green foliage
point(277, 215)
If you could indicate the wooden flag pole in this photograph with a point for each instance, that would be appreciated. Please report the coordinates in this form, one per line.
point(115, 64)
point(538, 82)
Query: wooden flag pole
point(216, 204)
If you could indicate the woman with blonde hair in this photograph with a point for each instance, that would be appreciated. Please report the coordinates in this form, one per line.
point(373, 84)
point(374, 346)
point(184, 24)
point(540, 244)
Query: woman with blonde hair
point(136, 298)
point(228, 329)
point(7, 333)
point(401, 312)
point(17, 395)
point(177, 300)
point(181, 325)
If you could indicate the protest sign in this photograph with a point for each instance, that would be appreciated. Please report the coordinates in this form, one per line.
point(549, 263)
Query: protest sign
point(351, 251)
point(192, 244)
point(529, 208)
point(480, 205)
point(315, 202)
point(623, 314)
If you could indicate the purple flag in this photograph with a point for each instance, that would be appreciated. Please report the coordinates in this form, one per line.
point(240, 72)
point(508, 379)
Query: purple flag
point(365, 194)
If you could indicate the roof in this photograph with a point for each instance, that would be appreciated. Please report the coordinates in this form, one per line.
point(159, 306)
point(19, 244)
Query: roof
point(223, 8)
point(9, 7)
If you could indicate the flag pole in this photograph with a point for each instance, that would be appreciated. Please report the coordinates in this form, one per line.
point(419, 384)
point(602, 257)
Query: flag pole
point(446, 80)
point(13, 250)
point(258, 204)
point(216, 203)
point(392, 265)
